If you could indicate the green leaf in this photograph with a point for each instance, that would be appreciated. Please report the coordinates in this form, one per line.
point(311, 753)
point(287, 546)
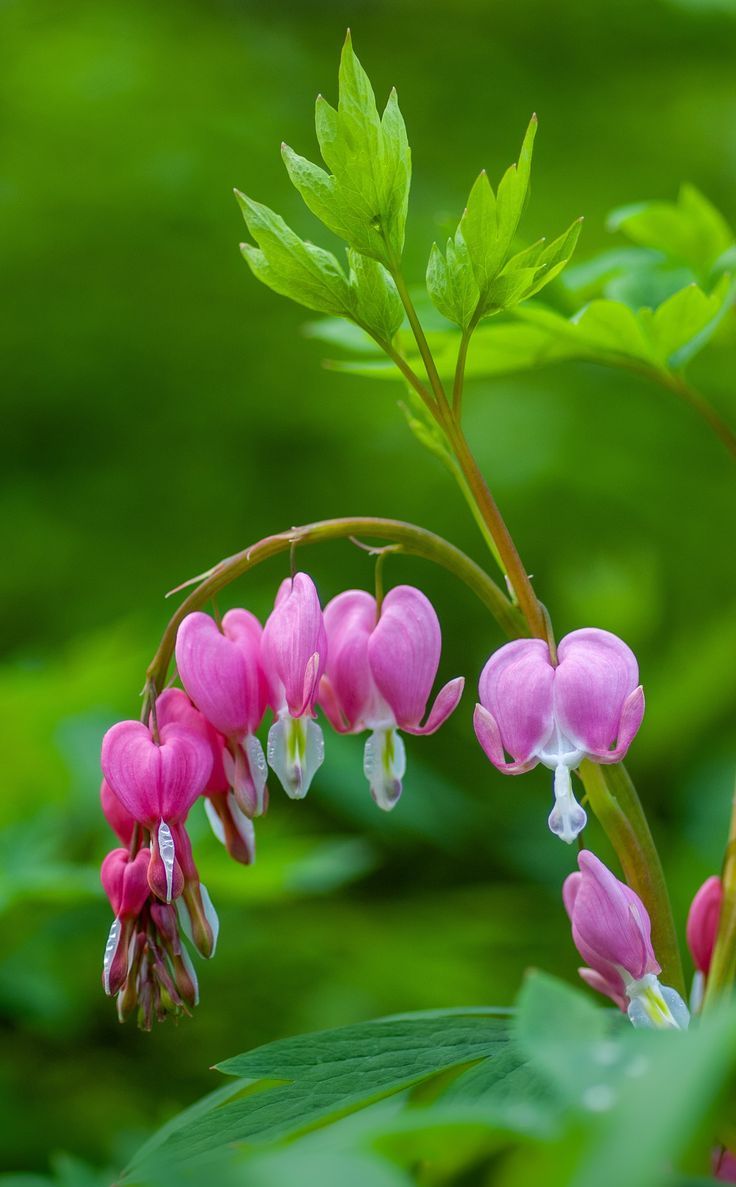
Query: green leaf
point(294, 1085)
point(684, 323)
point(451, 283)
point(691, 230)
point(476, 277)
point(377, 304)
point(364, 198)
point(289, 265)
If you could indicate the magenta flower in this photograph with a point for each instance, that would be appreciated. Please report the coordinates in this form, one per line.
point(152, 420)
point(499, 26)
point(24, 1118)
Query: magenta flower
point(121, 822)
point(703, 920)
point(589, 706)
point(293, 654)
point(229, 823)
point(612, 932)
point(380, 671)
point(125, 883)
point(702, 923)
point(157, 783)
point(220, 669)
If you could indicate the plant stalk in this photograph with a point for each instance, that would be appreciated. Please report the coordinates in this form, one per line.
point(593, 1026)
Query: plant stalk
point(613, 798)
point(723, 964)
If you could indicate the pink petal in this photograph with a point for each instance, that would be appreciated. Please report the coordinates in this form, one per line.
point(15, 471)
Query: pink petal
point(348, 690)
point(446, 701)
point(702, 923)
point(516, 687)
point(292, 636)
point(404, 653)
point(174, 705)
point(597, 672)
point(155, 782)
point(610, 924)
point(631, 718)
point(221, 671)
point(121, 822)
point(612, 986)
point(489, 736)
point(570, 888)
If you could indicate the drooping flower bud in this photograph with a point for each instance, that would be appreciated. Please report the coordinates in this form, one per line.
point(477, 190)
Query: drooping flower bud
point(702, 923)
point(125, 882)
point(157, 783)
point(612, 932)
point(379, 675)
point(589, 706)
point(702, 929)
point(121, 822)
point(229, 823)
point(221, 670)
point(293, 653)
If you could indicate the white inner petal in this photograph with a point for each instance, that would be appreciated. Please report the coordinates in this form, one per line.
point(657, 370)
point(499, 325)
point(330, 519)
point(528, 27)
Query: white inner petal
point(111, 948)
point(295, 752)
point(167, 851)
point(384, 766)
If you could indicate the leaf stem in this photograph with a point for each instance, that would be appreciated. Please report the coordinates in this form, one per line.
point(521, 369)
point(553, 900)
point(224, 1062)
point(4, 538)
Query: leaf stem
point(677, 383)
point(723, 964)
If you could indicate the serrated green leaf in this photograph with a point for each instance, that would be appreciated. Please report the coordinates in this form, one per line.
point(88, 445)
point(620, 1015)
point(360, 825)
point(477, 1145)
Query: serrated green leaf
point(289, 265)
point(364, 199)
point(377, 304)
point(690, 230)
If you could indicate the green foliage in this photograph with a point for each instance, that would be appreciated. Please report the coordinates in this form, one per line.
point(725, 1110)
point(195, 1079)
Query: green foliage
point(448, 1090)
point(691, 231)
point(477, 276)
point(364, 198)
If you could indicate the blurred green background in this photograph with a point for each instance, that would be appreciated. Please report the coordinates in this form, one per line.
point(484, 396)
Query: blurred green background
point(161, 410)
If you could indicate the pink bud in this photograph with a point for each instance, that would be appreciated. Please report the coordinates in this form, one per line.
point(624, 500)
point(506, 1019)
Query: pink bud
point(610, 927)
point(157, 782)
point(221, 670)
point(294, 647)
point(724, 1166)
point(126, 885)
point(589, 706)
point(121, 822)
point(125, 882)
point(702, 923)
point(379, 675)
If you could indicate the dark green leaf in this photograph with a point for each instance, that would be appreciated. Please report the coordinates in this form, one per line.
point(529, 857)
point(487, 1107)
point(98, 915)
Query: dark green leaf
point(311, 1080)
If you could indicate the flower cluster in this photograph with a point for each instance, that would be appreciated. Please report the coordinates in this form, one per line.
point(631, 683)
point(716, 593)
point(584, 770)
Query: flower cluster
point(368, 667)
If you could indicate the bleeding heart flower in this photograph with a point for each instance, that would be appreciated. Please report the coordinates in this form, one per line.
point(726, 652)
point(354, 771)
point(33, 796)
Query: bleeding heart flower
point(612, 932)
point(220, 668)
point(293, 653)
point(229, 823)
point(125, 882)
point(379, 675)
point(157, 783)
point(589, 706)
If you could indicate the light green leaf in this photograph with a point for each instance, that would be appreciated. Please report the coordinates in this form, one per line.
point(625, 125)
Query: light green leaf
point(364, 199)
point(683, 323)
point(451, 283)
point(377, 304)
point(476, 278)
point(289, 265)
point(690, 230)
